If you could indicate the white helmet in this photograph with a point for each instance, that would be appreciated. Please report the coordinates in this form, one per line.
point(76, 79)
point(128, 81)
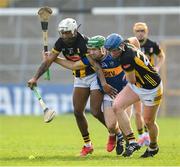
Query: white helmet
point(67, 24)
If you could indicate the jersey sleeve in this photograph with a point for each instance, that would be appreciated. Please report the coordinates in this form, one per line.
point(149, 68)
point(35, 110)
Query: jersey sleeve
point(157, 49)
point(128, 62)
point(85, 61)
point(57, 47)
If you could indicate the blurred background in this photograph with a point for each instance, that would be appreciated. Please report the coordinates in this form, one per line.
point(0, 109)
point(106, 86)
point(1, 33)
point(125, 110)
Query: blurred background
point(21, 46)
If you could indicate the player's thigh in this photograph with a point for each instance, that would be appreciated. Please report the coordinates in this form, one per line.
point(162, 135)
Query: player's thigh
point(150, 113)
point(96, 98)
point(125, 98)
point(80, 97)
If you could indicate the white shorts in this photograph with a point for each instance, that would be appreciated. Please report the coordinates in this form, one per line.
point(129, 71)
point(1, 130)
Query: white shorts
point(89, 81)
point(149, 97)
point(107, 102)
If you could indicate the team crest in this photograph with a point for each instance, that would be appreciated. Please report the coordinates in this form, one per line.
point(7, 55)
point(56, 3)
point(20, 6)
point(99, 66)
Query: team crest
point(151, 50)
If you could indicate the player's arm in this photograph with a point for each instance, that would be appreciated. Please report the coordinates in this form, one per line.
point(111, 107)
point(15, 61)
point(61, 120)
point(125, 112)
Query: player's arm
point(128, 67)
point(130, 77)
point(46, 63)
point(108, 89)
point(77, 65)
point(66, 63)
point(160, 60)
point(134, 41)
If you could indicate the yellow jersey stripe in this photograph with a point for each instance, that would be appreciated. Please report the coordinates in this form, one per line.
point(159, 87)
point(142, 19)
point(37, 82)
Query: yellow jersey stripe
point(55, 51)
point(150, 80)
point(82, 73)
point(138, 76)
point(141, 63)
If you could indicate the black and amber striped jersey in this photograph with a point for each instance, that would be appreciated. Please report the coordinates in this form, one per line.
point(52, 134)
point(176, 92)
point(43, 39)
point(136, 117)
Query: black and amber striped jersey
point(74, 52)
point(150, 49)
point(133, 59)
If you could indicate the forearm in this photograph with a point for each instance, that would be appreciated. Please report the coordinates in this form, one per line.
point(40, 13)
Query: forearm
point(69, 64)
point(101, 76)
point(160, 60)
point(42, 69)
point(130, 77)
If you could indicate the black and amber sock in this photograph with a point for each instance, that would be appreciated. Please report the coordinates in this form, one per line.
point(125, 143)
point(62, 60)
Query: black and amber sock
point(145, 128)
point(140, 131)
point(86, 139)
point(153, 145)
point(131, 138)
point(125, 138)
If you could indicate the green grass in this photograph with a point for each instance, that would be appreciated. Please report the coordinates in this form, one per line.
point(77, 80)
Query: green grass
point(59, 142)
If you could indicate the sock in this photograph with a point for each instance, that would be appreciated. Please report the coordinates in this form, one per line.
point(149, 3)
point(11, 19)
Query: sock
point(125, 138)
point(140, 131)
point(131, 138)
point(145, 128)
point(87, 141)
point(119, 136)
point(112, 134)
point(153, 146)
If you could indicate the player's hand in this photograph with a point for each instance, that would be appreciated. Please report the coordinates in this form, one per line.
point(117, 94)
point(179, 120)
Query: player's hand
point(108, 89)
point(32, 82)
point(157, 69)
point(45, 55)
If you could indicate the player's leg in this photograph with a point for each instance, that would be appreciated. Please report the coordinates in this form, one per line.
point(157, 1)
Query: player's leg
point(151, 102)
point(96, 99)
point(143, 135)
point(111, 124)
point(80, 97)
point(123, 100)
point(150, 113)
point(139, 121)
point(138, 117)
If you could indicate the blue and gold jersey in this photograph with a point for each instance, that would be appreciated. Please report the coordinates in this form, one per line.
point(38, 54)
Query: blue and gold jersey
point(134, 60)
point(74, 52)
point(112, 71)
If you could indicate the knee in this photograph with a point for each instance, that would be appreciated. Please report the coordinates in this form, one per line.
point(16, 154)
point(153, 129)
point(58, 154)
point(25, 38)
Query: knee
point(78, 113)
point(96, 112)
point(118, 107)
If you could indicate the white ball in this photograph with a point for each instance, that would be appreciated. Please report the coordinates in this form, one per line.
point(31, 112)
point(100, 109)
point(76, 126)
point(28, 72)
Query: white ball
point(31, 157)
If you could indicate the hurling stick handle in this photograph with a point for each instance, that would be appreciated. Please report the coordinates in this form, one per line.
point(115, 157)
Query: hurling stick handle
point(44, 26)
point(39, 97)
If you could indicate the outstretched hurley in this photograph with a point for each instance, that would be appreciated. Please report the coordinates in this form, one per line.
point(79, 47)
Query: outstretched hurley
point(44, 14)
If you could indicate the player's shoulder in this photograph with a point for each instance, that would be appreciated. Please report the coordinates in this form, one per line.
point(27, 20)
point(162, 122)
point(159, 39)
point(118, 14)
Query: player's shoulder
point(129, 53)
point(151, 42)
point(82, 37)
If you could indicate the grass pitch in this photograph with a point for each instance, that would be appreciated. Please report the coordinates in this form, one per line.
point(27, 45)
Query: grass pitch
point(59, 142)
